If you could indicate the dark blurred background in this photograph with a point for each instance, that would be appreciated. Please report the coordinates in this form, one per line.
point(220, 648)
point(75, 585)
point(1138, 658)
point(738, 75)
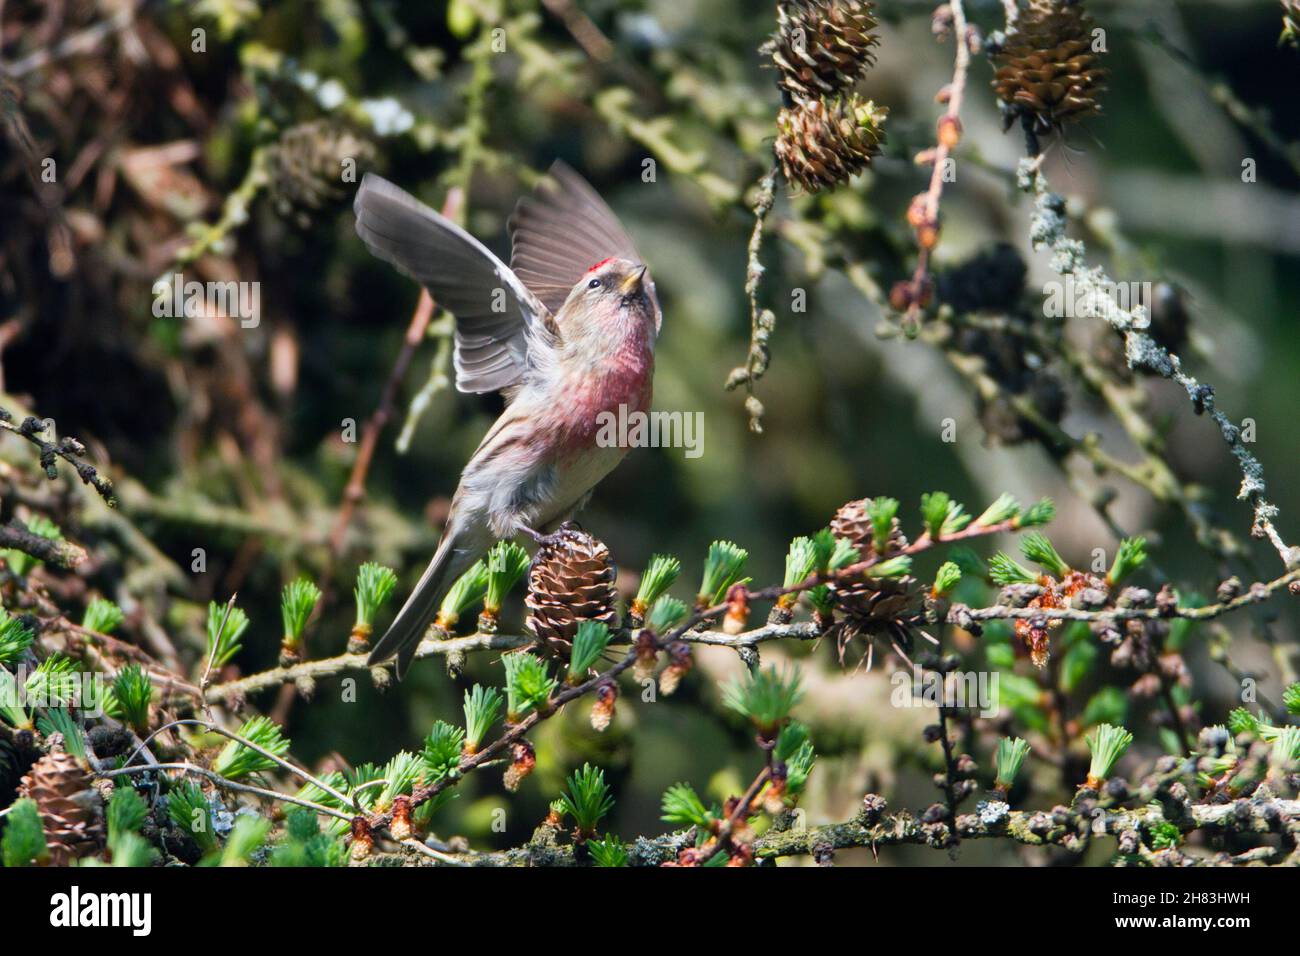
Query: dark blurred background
point(229, 439)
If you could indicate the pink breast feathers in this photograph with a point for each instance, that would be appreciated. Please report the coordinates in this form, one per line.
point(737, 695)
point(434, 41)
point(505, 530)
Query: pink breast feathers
point(628, 383)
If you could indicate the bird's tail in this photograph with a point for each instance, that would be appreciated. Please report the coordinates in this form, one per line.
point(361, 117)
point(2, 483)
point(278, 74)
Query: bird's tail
point(453, 557)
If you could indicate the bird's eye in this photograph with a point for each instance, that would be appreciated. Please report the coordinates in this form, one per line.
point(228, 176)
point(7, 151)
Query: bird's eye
point(593, 284)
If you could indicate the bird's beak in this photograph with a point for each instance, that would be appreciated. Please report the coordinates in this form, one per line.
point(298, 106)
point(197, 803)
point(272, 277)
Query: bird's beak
point(633, 281)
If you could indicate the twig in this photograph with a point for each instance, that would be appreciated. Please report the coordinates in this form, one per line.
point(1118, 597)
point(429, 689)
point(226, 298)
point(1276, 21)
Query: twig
point(1254, 119)
point(958, 614)
point(429, 851)
point(580, 26)
point(234, 212)
point(55, 551)
point(949, 773)
point(67, 448)
point(738, 814)
point(1028, 827)
point(762, 321)
point(1254, 595)
point(227, 784)
point(216, 642)
point(328, 666)
point(439, 380)
point(355, 492)
point(926, 224)
point(256, 748)
point(1033, 828)
point(1048, 229)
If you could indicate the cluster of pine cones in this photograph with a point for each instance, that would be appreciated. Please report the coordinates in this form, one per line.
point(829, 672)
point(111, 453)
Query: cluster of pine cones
point(1047, 72)
point(825, 133)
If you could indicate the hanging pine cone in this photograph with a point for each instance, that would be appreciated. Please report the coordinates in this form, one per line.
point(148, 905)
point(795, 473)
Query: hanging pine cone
point(306, 166)
point(1047, 69)
point(873, 607)
point(821, 143)
point(70, 808)
point(822, 47)
point(571, 580)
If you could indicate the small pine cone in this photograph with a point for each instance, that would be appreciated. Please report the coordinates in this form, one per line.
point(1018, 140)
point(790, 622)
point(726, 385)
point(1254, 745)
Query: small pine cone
point(306, 165)
point(822, 143)
point(877, 607)
point(872, 606)
point(853, 523)
point(571, 580)
point(70, 807)
point(822, 47)
point(1047, 69)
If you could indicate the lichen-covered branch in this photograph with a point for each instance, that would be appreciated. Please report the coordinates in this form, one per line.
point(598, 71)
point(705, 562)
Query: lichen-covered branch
point(1048, 230)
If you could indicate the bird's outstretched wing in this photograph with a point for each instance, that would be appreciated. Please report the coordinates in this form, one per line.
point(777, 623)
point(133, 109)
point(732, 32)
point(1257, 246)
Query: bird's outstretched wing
point(496, 314)
point(561, 231)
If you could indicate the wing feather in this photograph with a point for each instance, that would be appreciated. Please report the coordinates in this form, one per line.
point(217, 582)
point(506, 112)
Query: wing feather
point(494, 328)
point(561, 231)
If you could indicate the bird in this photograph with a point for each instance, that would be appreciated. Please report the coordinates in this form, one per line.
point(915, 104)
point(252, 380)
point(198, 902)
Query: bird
point(564, 333)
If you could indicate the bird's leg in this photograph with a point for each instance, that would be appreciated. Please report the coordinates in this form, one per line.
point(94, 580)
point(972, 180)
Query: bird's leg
point(564, 532)
point(538, 538)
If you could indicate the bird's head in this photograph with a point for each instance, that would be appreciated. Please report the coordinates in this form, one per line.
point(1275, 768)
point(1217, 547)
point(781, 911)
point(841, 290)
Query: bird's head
point(613, 293)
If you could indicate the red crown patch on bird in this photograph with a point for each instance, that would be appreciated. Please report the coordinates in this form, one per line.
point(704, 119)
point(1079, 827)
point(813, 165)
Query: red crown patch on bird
point(599, 264)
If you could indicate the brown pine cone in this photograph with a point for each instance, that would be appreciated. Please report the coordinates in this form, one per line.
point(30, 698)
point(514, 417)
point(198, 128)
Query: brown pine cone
point(822, 143)
point(1047, 69)
point(822, 47)
point(306, 166)
point(571, 580)
point(873, 607)
point(71, 809)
